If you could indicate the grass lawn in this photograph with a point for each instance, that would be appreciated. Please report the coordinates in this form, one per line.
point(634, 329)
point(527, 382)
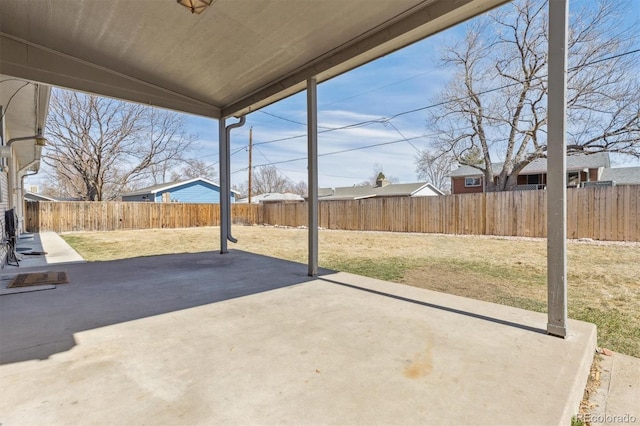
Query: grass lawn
point(604, 278)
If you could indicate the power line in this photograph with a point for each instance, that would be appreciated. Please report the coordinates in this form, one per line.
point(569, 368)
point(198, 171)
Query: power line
point(321, 174)
point(403, 136)
point(439, 104)
point(387, 120)
point(336, 152)
point(379, 88)
point(243, 148)
point(288, 119)
point(331, 129)
point(270, 163)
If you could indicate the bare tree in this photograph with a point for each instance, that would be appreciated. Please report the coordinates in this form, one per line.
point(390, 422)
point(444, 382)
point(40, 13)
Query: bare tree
point(435, 168)
point(241, 188)
point(301, 188)
point(268, 179)
point(194, 168)
point(495, 103)
point(100, 146)
point(163, 171)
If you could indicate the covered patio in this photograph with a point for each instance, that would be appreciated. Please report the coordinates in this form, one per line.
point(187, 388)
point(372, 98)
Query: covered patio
point(241, 338)
point(202, 339)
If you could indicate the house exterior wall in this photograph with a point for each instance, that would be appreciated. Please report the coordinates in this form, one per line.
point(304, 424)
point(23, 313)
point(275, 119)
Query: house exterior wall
point(142, 197)
point(194, 192)
point(4, 189)
point(13, 177)
point(4, 205)
point(426, 192)
point(20, 200)
point(458, 187)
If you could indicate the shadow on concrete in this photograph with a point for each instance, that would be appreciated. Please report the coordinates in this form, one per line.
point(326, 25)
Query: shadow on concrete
point(38, 324)
point(440, 307)
point(171, 338)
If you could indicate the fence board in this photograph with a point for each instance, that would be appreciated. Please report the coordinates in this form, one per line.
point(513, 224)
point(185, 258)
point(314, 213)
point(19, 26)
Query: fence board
point(602, 213)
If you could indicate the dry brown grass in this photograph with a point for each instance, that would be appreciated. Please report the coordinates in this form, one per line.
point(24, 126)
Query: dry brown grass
point(604, 279)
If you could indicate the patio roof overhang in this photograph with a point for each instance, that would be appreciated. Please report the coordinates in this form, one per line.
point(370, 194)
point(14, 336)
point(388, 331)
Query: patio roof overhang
point(235, 57)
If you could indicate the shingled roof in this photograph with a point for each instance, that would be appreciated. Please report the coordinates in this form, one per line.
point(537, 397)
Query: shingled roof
point(574, 162)
point(362, 192)
point(153, 189)
point(622, 175)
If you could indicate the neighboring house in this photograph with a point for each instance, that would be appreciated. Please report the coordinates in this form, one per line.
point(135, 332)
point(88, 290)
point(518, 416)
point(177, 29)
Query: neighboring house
point(23, 111)
point(581, 168)
point(32, 196)
point(382, 189)
point(272, 198)
point(622, 175)
point(197, 190)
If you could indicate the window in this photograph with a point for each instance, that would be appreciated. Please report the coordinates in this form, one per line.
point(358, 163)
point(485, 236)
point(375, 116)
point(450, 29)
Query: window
point(573, 179)
point(533, 180)
point(472, 181)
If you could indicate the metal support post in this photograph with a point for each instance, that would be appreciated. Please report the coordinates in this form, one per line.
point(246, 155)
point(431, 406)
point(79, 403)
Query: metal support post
point(312, 153)
point(557, 170)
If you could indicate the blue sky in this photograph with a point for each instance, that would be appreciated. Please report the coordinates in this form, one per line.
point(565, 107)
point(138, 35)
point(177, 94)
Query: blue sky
point(402, 81)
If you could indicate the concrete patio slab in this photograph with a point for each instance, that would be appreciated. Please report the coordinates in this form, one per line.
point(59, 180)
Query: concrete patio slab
point(246, 339)
point(617, 399)
point(5, 290)
point(54, 250)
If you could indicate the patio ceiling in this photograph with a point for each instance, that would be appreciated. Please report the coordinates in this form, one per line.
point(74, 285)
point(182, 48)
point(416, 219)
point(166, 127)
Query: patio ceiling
point(236, 57)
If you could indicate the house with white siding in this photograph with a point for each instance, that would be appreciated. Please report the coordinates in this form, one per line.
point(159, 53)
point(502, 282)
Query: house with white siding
point(196, 190)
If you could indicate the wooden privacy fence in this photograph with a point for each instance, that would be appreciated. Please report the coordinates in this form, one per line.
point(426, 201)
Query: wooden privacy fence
point(66, 216)
point(601, 213)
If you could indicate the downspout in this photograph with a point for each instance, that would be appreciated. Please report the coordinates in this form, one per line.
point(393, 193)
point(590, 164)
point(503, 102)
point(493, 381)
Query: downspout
point(39, 142)
point(38, 138)
point(24, 206)
point(227, 194)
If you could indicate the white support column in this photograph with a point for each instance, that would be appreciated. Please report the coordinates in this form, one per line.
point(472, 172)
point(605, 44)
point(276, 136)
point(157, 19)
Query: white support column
point(223, 155)
point(557, 170)
point(312, 153)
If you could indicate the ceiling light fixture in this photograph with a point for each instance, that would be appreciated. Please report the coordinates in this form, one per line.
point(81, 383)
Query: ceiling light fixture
point(195, 6)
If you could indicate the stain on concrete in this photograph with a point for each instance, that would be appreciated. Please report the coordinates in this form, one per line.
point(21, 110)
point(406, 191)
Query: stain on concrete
point(420, 365)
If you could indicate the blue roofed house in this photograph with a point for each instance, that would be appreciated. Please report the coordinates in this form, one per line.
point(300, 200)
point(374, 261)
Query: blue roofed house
point(197, 190)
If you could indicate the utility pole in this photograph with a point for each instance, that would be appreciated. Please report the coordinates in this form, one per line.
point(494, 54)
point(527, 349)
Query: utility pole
point(250, 168)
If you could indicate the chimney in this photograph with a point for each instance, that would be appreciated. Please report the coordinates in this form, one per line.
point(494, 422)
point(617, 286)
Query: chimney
point(381, 180)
